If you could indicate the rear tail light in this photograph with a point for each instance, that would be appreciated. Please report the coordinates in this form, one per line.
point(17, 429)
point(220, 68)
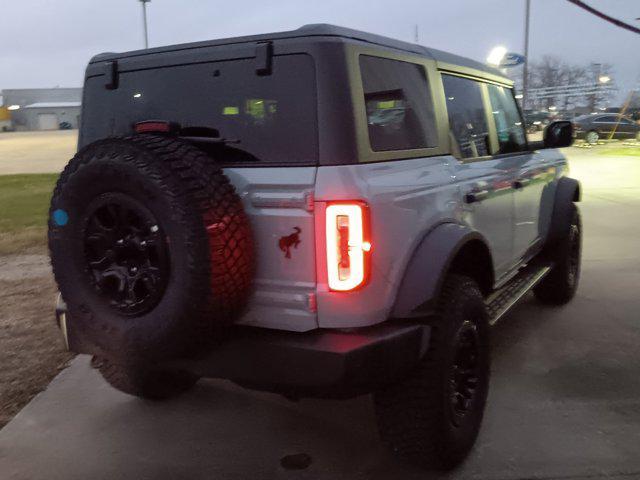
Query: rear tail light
point(348, 245)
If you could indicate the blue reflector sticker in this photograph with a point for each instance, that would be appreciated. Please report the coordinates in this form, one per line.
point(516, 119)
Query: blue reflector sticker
point(60, 217)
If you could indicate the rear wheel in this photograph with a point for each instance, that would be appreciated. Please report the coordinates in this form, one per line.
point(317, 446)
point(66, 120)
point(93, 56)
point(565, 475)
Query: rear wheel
point(432, 418)
point(560, 285)
point(592, 137)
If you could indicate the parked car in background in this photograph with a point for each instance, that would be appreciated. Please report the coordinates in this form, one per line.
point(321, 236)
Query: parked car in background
point(536, 120)
point(595, 127)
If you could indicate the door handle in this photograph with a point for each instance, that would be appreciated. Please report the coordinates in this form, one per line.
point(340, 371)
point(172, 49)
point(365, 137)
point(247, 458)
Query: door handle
point(521, 183)
point(476, 196)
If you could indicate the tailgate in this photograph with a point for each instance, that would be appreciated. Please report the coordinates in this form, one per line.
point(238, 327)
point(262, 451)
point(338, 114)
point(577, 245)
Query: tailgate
point(279, 203)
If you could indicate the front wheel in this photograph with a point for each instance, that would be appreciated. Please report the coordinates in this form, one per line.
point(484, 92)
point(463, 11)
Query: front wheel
point(592, 137)
point(432, 417)
point(560, 285)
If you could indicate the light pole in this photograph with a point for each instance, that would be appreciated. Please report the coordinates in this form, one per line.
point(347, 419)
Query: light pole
point(525, 69)
point(144, 22)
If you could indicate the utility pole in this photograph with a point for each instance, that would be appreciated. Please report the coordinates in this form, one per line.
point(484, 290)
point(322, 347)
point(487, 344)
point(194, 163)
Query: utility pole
point(525, 67)
point(144, 22)
point(416, 35)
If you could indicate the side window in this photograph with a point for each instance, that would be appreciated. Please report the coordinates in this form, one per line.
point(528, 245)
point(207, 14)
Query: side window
point(398, 104)
point(467, 117)
point(511, 134)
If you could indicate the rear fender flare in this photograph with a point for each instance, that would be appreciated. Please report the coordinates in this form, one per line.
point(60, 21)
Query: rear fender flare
point(422, 281)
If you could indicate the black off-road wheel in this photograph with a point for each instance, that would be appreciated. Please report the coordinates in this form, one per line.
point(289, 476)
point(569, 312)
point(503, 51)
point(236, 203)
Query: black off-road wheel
point(561, 284)
point(432, 418)
point(144, 381)
point(150, 248)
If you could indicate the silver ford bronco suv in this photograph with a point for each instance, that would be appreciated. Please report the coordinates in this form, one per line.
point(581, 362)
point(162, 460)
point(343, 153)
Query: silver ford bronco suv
point(321, 212)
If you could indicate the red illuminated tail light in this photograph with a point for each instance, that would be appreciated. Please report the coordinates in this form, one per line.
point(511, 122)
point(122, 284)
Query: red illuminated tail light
point(348, 245)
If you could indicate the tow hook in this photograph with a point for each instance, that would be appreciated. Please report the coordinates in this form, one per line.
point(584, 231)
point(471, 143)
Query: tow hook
point(61, 319)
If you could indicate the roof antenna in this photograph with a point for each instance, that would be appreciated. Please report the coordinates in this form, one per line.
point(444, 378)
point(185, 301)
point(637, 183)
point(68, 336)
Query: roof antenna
point(416, 34)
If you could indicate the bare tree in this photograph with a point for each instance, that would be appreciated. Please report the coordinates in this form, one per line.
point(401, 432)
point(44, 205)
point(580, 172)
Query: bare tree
point(574, 75)
point(569, 81)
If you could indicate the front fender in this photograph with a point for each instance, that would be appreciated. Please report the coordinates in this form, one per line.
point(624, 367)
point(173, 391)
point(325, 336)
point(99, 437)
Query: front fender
point(423, 278)
point(567, 192)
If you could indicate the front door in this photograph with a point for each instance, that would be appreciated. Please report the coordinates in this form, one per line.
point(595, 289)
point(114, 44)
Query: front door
point(530, 171)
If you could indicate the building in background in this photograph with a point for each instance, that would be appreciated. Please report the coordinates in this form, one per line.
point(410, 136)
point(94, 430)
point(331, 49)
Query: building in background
point(43, 108)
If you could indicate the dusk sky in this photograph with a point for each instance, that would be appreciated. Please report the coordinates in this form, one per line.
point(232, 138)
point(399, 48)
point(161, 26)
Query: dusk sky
point(47, 43)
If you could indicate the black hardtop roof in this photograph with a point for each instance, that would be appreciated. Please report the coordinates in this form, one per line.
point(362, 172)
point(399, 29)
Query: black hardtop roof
point(314, 30)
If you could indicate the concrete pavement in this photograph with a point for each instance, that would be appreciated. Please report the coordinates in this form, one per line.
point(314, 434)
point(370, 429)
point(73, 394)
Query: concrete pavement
point(564, 400)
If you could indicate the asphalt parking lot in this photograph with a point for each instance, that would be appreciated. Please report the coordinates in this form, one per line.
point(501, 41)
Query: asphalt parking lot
point(564, 400)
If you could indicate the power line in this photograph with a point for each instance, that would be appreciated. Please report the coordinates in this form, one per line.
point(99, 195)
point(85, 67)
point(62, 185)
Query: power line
point(604, 16)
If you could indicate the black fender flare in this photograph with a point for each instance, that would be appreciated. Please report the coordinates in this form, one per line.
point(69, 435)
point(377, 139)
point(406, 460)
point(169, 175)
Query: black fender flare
point(568, 191)
point(427, 267)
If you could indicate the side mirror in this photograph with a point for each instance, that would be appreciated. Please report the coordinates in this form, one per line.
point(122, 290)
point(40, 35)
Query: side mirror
point(558, 134)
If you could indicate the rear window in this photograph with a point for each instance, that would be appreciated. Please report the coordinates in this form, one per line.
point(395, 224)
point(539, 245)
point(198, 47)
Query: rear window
point(398, 104)
point(269, 118)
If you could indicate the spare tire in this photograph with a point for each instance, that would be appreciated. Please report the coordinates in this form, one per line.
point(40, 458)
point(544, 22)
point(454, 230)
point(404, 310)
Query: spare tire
point(150, 247)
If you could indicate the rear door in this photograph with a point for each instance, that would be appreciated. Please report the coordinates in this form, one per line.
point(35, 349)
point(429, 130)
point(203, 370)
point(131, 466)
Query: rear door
point(604, 125)
point(485, 181)
point(627, 128)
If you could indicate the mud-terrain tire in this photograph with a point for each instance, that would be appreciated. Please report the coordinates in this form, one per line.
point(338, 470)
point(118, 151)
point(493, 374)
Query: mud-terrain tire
point(143, 381)
point(424, 418)
point(150, 247)
point(561, 283)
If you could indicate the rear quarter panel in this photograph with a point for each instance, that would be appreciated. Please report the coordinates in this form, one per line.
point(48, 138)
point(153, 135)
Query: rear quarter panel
point(406, 200)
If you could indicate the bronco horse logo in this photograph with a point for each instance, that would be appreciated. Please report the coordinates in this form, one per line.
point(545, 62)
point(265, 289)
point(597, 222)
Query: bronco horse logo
point(285, 243)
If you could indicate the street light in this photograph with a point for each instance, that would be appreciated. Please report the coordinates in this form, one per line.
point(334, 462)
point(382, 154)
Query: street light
point(144, 22)
point(13, 107)
point(604, 78)
point(496, 55)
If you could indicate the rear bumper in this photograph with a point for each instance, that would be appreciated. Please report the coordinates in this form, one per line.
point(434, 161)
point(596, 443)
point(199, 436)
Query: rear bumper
point(320, 363)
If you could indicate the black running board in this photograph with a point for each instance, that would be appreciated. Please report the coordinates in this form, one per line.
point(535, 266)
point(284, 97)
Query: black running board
point(506, 297)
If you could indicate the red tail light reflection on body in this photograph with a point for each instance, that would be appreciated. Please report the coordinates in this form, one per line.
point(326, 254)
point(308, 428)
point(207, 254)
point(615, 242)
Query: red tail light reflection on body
point(348, 245)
